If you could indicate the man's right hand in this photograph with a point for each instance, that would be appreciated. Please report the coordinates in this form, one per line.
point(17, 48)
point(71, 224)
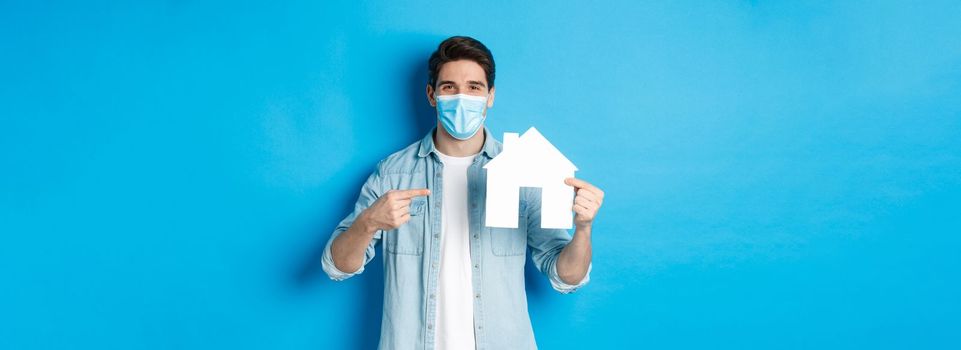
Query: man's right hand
point(391, 210)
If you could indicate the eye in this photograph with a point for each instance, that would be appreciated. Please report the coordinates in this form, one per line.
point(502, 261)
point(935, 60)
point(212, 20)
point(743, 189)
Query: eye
point(475, 87)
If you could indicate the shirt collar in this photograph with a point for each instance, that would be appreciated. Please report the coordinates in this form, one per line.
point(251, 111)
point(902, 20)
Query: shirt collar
point(427, 144)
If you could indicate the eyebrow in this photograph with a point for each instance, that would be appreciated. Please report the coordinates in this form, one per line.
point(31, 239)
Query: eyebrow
point(469, 82)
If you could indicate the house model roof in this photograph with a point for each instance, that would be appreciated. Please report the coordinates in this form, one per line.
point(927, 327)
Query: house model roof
point(530, 150)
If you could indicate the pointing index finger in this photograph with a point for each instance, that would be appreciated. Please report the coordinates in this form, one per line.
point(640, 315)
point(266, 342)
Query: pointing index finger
point(417, 192)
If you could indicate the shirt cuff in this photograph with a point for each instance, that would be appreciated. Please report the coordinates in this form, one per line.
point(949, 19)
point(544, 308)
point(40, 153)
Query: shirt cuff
point(565, 288)
point(327, 263)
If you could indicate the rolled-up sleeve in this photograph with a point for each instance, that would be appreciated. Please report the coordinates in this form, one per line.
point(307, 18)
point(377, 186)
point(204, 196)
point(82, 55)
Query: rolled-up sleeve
point(565, 288)
point(335, 274)
point(369, 193)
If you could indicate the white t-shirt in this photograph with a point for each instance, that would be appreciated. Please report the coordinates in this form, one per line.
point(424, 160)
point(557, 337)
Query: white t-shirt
point(455, 302)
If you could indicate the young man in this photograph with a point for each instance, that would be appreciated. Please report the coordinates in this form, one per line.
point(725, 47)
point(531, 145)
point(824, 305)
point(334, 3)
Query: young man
point(449, 281)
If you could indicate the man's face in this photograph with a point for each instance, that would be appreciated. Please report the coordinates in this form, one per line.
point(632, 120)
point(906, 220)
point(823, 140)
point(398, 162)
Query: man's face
point(461, 77)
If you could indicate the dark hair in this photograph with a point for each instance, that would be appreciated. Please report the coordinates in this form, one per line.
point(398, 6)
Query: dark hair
point(460, 48)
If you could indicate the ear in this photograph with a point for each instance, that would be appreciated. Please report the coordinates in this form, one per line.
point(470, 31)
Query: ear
point(430, 96)
point(490, 100)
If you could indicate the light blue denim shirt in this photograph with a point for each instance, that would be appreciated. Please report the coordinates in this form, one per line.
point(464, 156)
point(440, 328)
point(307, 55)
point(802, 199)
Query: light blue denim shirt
point(411, 253)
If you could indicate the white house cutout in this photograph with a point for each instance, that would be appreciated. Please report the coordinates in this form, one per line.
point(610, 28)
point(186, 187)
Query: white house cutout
point(529, 160)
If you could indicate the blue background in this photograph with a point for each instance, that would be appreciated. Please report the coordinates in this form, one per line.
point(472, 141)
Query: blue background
point(778, 175)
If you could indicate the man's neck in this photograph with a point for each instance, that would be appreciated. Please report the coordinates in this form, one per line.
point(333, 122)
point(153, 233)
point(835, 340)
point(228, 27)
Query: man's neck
point(448, 145)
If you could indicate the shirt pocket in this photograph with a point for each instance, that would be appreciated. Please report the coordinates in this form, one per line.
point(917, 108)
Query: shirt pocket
point(510, 241)
point(408, 239)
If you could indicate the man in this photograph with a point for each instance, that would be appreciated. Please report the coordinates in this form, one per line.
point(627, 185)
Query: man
point(449, 281)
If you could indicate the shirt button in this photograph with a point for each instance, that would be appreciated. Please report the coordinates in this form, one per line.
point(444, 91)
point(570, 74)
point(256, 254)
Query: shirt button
point(476, 266)
point(480, 327)
point(430, 326)
point(478, 296)
point(436, 235)
point(432, 295)
point(475, 236)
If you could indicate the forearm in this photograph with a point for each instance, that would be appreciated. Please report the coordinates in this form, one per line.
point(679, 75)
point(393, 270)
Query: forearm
point(349, 248)
point(575, 258)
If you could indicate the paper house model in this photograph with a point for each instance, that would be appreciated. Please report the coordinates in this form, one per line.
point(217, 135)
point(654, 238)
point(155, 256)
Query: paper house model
point(529, 160)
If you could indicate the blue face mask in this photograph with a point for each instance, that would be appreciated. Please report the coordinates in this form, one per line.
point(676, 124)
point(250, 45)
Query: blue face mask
point(461, 115)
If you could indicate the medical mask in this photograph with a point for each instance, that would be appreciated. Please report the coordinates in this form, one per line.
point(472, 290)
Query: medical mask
point(461, 115)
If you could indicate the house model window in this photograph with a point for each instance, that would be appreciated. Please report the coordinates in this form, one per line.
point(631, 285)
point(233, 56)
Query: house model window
point(529, 160)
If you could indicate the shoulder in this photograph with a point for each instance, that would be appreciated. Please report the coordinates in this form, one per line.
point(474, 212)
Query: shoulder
point(404, 161)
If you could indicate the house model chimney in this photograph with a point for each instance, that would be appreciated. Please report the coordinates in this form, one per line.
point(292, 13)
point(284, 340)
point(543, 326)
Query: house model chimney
point(510, 139)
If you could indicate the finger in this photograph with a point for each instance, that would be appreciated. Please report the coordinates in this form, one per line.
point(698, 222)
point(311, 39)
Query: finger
point(592, 192)
point(578, 183)
point(402, 220)
point(587, 194)
point(400, 203)
point(582, 210)
point(583, 201)
point(402, 211)
point(408, 194)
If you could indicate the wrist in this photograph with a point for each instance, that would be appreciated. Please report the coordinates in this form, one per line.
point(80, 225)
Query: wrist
point(365, 225)
point(583, 229)
point(586, 227)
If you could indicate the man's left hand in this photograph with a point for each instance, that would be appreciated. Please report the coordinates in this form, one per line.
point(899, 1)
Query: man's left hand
point(587, 201)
